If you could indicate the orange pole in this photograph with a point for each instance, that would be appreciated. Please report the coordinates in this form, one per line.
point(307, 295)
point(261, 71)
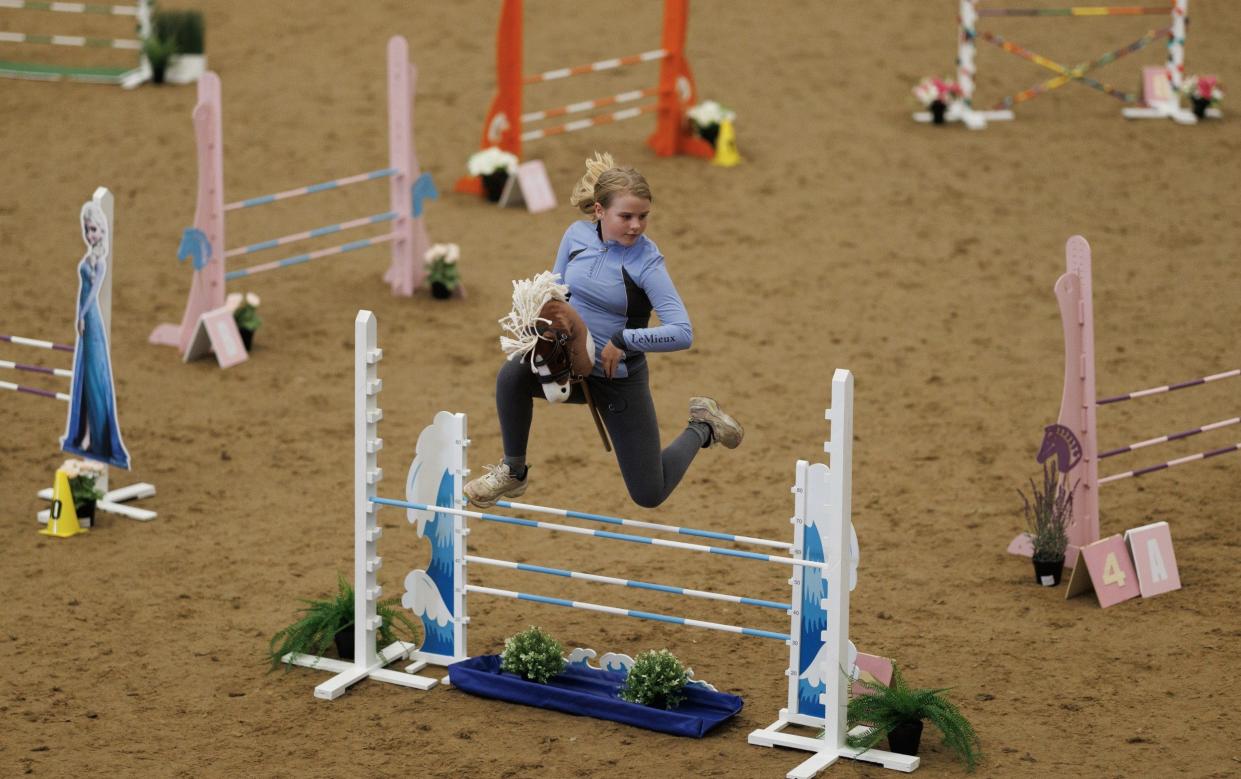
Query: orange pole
point(503, 124)
point(677, 92)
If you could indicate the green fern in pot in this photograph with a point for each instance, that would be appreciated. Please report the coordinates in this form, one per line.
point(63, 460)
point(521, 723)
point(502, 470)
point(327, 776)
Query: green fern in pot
point(895, 710)
point(329, 620)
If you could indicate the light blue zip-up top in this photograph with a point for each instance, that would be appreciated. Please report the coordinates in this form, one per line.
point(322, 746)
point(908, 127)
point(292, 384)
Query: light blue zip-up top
point(615, 288)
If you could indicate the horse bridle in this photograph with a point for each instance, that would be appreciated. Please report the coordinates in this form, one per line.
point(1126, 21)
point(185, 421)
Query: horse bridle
point(558, 356)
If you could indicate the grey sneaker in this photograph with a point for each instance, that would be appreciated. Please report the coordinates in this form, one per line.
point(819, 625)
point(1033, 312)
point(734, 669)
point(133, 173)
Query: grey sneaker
point(498, 482)
point(724, 429)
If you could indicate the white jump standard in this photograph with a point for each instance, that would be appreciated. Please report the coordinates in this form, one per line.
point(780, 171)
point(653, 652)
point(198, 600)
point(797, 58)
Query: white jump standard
point(1165, 105)
point(140, 12)
point(823, 557)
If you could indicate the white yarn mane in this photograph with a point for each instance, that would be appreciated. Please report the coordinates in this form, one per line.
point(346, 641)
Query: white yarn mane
point(529, 297)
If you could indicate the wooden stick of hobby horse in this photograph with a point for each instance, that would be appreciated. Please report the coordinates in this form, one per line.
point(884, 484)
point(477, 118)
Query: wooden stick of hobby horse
point(594, 413)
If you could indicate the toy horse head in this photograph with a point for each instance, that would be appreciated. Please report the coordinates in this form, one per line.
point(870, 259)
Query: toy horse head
point(1059, 440)
point(549, 334)
point(564, 353)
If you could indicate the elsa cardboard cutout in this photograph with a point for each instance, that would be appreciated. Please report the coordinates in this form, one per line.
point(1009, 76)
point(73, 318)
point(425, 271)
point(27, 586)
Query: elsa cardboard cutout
point(91, 429)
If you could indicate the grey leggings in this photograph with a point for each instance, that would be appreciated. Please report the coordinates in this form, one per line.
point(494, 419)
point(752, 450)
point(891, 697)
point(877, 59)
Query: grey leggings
point(629, 415)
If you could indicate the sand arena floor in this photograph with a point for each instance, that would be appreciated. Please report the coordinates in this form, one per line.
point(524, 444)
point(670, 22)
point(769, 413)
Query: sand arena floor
point(920, 258)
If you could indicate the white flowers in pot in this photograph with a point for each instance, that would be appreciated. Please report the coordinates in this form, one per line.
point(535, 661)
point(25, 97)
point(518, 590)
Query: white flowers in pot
point(493, 165)
point(441, 264)
point(707, 116)
point(491, 160)
point(245, 313)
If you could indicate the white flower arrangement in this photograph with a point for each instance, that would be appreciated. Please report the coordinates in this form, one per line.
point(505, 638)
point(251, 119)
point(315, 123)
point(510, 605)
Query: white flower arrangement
point(83, 474)
point(930, 89)
point(441, 264)
point(709, 113)
point(490, 160)
point(235, 299)
point(1205, 88)
point(448, 252)
point(245, 309)
point(74, 468)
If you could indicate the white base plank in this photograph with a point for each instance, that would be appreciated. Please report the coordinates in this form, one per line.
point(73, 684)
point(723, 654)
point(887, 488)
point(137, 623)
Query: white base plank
point(113, 502)
point(347, 673)
point(773, 736)
point(975, 120)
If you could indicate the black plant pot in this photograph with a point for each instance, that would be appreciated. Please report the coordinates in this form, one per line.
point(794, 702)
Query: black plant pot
point(710, 133)
point(247, 338)
point(440, 290)
point(1200, 105)
point(493, 184)
point(1047, 572)
point(938, 109)
point(85, 511)
point(344, 643)
point(157, 72)
point(905, 737)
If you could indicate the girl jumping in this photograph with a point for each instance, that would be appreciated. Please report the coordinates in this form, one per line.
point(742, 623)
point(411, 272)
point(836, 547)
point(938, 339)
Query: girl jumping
point(616, 277)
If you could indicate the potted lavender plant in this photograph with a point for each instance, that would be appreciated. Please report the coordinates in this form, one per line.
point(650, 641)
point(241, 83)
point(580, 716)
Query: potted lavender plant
point(1048, 513)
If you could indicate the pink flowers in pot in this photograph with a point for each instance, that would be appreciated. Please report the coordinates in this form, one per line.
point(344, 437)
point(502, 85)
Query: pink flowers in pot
point(1203, 92)
point(1205, 88)
point(932, 89)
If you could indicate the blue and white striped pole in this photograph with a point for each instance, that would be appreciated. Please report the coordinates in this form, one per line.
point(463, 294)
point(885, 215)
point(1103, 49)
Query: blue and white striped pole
point(573, 604)
point(311, 189)
point(688, 531)
point(318, 232)
point(307, 257)
point(597, 579)
point(604, 534)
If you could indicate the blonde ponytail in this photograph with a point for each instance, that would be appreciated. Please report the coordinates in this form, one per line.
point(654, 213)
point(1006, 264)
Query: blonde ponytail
point(604, 181)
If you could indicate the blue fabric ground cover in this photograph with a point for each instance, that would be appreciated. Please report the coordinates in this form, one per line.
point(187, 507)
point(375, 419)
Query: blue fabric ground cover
point(591, 692)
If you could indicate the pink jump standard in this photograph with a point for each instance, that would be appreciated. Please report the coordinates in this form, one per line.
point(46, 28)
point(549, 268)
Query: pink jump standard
point(1073, 441)
point(407, 233)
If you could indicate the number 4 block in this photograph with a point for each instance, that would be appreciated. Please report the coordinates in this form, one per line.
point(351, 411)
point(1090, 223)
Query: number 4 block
point(1117, 569)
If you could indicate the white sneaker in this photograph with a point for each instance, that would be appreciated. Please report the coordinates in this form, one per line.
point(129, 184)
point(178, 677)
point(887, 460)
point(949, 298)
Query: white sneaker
point(724, 429)
point(498, 482)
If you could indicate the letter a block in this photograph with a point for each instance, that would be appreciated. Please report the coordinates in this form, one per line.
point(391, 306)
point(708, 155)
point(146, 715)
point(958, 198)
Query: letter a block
point(1151, 546)
point(1108, 570)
